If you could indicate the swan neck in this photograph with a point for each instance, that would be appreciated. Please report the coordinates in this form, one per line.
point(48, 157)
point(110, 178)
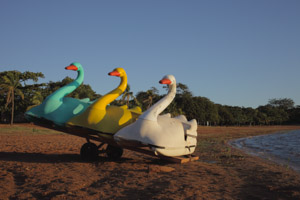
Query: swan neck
point(153, 112)
point(67, 89)
point(112, 95)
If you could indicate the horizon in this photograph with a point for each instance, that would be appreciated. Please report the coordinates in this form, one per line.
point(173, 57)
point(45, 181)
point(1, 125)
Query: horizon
point(233, 53)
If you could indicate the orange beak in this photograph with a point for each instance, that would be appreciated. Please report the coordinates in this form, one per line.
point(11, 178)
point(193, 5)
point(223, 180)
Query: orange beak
point(114, 73)
point(71, 67)
point(165, 81)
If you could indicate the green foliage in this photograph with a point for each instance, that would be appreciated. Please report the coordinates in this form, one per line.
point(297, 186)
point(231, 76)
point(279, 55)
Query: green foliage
point(127, 98)
point(148, 98)
point(183, 90)
point(294, 115)
point(16, 91)
point(83, 91)
point(20, 91)
point(278, 111)
point(25, 76)
point(274, 115)
point(10, 88)
point(284, 103)
point(225, 116)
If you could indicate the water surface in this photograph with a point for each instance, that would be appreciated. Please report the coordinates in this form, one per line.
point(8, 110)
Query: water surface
point(283, 148)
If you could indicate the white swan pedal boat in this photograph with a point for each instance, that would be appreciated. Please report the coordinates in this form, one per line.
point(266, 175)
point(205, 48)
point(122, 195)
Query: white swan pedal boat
point(164, 135)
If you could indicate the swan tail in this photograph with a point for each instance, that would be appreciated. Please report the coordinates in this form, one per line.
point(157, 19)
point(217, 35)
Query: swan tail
point(125, 107)
point(85, 100)
point(136, 110)
point(166, 115)
point(181, 118)
point(193, 127)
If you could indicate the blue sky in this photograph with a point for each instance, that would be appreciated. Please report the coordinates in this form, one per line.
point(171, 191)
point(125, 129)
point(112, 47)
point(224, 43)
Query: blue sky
point(234, 52)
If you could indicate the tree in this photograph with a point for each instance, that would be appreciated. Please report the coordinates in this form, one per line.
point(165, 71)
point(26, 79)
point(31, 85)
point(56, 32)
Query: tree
point(10, 86)
point(284, 103)
point(239, 117)
point(262, 118)
point(182, 101)
point(127, 95)
point(274, 115)
point(83, 91)
point(225, 116)
point(34, 76)
point(14, 88)
point(211, 111)
point(193, 107)
point(294, 115)
point(250, 116)
point(36, 99)
point(183, 90)
point(148, 98)
point(174, 109)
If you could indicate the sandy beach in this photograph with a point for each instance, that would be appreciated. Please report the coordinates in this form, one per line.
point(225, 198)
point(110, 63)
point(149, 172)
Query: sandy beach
point(36, 163)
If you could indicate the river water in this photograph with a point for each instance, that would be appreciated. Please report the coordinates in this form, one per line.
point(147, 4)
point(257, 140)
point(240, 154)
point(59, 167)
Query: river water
point(282, 148)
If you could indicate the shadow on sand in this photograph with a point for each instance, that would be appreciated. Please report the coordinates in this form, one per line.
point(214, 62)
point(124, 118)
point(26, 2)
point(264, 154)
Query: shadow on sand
point(51, 158)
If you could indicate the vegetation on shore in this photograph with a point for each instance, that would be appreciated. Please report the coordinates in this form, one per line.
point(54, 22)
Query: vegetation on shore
point(17, 96)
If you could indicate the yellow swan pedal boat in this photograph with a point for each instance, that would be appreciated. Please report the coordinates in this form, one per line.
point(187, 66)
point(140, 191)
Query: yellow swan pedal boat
point(103, 118)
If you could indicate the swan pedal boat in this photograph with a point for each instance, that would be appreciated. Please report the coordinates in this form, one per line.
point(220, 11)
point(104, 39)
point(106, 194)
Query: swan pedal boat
point(166, 136)
point(101, 117)
point(57, 108)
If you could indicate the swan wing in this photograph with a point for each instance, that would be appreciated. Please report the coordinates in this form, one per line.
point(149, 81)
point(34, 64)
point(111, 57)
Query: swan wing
point(166, 115)
point(190, 127)
point(125, 107)
point(136, 110)
point(193, 127)
point(85, 100)
point(181, 118)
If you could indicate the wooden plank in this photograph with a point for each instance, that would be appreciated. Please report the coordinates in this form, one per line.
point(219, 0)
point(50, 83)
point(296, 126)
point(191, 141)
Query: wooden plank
point(180, 159)
point(143, 150)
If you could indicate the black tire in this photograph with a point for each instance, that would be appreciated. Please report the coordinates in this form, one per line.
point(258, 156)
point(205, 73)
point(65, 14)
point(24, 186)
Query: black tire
point(114, 152)
point(89, 152)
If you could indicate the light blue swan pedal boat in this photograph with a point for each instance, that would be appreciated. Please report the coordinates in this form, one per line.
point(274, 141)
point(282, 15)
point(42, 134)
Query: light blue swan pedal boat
point(57, 108)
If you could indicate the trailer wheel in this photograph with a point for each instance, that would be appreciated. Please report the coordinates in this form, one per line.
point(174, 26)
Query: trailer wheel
point(114, 152)
point(89, 151)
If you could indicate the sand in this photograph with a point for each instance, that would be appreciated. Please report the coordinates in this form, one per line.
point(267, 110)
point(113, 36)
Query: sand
point(37, 165)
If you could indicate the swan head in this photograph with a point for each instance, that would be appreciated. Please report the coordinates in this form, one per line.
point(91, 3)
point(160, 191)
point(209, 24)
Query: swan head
point(119, 72)
point(168, 80)
point(74, 66)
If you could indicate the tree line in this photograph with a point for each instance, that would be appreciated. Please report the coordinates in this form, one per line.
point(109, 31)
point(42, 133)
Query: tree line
point(21, 91)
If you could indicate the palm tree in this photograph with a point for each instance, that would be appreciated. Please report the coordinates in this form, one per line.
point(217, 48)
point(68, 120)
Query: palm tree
point(151, 95)
point(9, 85)
point(127, 95)
point(36, 100)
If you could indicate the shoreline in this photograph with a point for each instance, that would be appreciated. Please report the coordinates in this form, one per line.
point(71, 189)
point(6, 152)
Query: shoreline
point(264, 149)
